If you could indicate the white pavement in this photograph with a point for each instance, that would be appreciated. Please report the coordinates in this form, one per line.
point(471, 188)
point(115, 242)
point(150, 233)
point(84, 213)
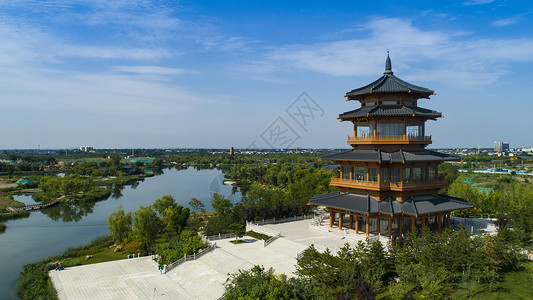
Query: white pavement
point(203, 278)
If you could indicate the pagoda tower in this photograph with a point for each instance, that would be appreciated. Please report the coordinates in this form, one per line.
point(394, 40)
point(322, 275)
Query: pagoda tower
point(389, 181)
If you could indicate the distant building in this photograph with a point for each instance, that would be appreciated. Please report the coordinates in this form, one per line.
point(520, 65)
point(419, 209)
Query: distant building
point(86, 148)
point(500, 146)
point(231, 151)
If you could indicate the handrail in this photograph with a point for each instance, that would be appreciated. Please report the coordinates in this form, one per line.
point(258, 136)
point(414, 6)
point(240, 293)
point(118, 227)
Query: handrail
point(399, 184)
point(261, 229)
point(186, 257)
point(274, 233)
point(221, 236)
point(378, 138)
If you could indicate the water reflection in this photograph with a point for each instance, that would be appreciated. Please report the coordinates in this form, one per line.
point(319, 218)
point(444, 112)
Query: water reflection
point(116, 191)
point(69, 212)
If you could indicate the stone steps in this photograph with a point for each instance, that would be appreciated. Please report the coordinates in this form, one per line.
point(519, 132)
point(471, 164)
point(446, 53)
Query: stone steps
point(204, 278)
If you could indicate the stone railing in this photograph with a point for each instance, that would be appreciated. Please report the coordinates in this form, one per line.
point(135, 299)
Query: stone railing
point(282, 220)
point(221, 236)
point(186, 257)
point(316, 223)
point(264, 230)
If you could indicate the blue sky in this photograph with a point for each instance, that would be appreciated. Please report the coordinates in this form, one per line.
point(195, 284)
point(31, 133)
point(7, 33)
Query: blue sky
point(126, 73)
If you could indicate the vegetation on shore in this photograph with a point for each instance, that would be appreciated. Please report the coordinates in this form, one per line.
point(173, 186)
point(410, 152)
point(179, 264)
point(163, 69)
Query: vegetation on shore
point(34, 281)
point(423, 265)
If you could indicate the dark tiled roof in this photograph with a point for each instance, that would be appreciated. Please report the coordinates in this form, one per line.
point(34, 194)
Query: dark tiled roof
point(331, 167)
point(390, 110)
point(395, 156)
point(390, 83)
point(414, 205)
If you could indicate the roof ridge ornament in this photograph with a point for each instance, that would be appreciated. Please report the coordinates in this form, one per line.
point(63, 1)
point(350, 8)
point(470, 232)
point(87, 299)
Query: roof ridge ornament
point(388, 66)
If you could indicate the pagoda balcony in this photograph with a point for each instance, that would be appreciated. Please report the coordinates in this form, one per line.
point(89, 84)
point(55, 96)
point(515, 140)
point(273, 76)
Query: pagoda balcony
point(389, 185)
point(389, 139)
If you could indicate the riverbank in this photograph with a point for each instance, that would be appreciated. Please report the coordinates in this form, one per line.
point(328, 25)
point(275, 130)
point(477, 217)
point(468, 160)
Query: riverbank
point(35, 283)
point(51, 231)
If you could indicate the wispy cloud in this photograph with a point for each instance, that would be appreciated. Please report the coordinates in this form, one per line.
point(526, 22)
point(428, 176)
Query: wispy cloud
point(151, 70)
point(506, 22)
point(477, 2)
point(414, 51)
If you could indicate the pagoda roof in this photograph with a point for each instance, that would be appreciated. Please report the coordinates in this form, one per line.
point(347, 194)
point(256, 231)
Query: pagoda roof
point(388, 83)
point(414, 205)
point(390, 110)
point(376, 155)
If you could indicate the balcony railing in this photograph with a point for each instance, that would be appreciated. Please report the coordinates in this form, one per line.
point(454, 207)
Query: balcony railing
point(403, 139)
point(385, 185)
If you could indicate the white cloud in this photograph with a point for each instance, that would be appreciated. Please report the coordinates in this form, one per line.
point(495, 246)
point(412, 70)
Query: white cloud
point(151, 70)
point(506, 22)
point(413, 51)
point(477, 2)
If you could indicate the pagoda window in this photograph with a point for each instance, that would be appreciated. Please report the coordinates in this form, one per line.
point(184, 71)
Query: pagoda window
point(384, 174)
point(419, 174)
point(407, 174)
point(394, 174)
point(410, 103)
point(431, 174)
point(389, 102)
point(389, 129)
point(369, 103)
point(359, 173)
point(345, 172)
point(413, 130)
point(373, 174)
point(364, 130)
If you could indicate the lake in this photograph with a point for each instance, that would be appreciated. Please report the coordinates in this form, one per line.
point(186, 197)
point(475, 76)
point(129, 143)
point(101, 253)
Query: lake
point(53, 230)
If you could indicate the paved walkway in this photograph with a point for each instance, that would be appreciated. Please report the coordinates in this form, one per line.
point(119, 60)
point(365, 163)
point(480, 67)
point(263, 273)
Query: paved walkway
point(203, 278)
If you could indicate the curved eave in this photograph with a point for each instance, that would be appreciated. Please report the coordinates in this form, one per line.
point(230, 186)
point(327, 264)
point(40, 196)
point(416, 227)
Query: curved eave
point(357, 96)
point(434, 118)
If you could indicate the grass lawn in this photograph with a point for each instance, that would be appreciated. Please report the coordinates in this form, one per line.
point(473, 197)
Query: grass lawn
point(6, 201)
point(102, 256)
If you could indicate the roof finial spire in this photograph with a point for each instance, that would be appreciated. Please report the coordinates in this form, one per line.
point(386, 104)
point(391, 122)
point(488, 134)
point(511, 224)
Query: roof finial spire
point(388, 67)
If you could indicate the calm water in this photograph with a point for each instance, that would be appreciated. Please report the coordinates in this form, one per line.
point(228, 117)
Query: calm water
point(51, 231)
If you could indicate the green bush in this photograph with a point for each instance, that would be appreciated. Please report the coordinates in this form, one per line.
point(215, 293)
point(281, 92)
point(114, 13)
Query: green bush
point(15, 215)
point(258, 235)
point(2, 227)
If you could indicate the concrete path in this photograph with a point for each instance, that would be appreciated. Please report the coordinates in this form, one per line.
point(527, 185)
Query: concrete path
point(203, 278)
point(136, 278)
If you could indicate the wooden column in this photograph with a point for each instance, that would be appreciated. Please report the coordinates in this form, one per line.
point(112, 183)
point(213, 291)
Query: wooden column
point(438, 223)
point(400, 226)
point(423, 222)
point(351, 221)
point(351, 173)
point(341, 216)
point(390, 226)
point(367, 174)
point(413, 220)
point(331, 218)
point(448, 219)
point(367, 220)
point(356, 223)
point(379, 224)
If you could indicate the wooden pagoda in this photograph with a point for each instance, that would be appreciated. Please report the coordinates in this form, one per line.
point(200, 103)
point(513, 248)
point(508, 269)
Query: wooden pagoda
point(389, 181)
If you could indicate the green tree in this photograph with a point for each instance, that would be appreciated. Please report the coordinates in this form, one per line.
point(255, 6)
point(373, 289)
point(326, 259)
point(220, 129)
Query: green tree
point(146, 224)
point(173, 216)
point(197, 205)
point(220, 204)
point(119, 225)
